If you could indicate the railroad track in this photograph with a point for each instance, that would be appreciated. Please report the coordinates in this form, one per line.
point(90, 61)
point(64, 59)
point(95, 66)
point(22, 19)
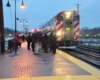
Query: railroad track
point(90, 57)
point(90, 49)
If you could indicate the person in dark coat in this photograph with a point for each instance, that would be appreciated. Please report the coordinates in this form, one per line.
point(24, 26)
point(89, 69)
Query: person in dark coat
point(29, 39)
point(10, 45)
point(53, 42)
point(33, 42)
point(46, 42)
point(20, 41)
point(23, 38)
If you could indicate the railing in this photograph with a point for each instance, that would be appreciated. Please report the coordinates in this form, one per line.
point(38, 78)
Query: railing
point(8, 46)
point(93, 45)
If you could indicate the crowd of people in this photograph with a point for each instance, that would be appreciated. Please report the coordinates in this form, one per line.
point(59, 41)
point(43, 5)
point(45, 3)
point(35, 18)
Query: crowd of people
point(36, 41)
point(47, 42)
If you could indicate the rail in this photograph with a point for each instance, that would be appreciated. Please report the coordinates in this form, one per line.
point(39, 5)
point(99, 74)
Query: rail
point(8, 46)
point(90, 45)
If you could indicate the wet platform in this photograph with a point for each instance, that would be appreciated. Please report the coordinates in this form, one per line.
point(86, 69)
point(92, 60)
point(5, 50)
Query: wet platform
point(61, 66)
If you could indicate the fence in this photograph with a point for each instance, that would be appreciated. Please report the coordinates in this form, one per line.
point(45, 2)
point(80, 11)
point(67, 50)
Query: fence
point(93, 45)
point(8, 46)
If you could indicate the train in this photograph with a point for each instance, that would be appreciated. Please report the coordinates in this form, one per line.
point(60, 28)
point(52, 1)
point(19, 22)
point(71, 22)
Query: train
point(65, 25)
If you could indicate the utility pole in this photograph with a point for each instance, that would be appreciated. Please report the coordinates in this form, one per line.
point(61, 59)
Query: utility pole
point(2, 40)
point(78, 6)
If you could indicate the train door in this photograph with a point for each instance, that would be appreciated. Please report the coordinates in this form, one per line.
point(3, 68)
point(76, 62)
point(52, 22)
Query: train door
point(68, 31)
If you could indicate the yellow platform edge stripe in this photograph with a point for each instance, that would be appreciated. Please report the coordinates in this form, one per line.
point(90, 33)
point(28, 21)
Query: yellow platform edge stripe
point(82, 77)
point(95, 72)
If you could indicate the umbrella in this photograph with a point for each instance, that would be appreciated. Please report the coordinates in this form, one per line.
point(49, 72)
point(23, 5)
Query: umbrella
point(37, 34)
point(35, 30)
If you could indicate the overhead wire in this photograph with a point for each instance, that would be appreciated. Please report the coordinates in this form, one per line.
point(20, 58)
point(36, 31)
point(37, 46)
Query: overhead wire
point(91, 13)
point(89, 5)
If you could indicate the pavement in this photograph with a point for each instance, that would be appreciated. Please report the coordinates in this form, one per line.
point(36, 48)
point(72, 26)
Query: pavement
point(27, 66)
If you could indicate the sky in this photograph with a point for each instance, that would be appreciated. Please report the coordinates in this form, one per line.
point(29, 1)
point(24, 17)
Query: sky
point(38, 12)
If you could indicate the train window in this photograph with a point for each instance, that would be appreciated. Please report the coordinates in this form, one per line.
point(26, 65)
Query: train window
point(67, 27)
point(76, 18)
point(59, 18)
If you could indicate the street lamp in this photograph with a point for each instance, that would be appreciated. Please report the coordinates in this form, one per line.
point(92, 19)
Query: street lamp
point(26, 28)
point(23, 6)
point(23, 23)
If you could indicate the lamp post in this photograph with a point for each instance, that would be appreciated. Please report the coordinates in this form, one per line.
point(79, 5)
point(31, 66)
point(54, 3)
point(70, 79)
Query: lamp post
point(23, 23)
point(22, 6)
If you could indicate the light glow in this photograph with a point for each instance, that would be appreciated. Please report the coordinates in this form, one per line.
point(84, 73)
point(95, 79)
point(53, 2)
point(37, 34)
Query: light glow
point(58, 33)
point(68, 15)
point(22, 5)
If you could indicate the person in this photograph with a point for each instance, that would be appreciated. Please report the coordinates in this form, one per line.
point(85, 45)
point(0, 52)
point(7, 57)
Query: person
point(33, 42)
point(45, 42)
point(42, 42)
point(53, 42)
point(16, 42)
point(23, 38)
point(10, 45)
point(20, 41)
point(29, 39)
point(36, 46)
point(36, 37)
point(37, 40)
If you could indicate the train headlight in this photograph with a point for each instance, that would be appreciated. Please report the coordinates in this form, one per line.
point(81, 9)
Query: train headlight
point(58, 33)
point(68, 15)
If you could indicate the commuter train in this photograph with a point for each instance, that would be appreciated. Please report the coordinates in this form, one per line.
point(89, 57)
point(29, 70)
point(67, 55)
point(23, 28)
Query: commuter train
point(66, 27)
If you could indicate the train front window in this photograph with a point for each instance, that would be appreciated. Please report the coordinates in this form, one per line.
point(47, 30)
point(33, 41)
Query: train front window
point(59, 18)
point(68, 25)
point(76, 18)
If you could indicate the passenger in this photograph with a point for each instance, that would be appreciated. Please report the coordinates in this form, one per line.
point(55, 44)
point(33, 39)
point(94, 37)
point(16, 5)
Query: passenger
point(36, 49)
point(29, 39)
point(46, 42)
point(42, 42)
point(33, 42)
point(20, 41)
point(23, 38)
point(53, 42)
point(16, 42)
point(10, 45)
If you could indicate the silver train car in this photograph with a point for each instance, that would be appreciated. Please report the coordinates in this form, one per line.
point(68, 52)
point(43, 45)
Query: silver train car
point(66, 28)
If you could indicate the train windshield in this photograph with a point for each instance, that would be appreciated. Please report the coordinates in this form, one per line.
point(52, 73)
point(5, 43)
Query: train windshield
point(76, 18)
point(59, 18)
point(68, 25)
point(68, 33)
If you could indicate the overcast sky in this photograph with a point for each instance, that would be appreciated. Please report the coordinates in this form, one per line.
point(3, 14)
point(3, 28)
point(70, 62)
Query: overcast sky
point(41, 11)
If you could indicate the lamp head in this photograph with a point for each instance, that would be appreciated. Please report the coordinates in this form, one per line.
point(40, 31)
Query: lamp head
point(26, 22)
point(22, 5)
point(20, 22)
point(8, 4)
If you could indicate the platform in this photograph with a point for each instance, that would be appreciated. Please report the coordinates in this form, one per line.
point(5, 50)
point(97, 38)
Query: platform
point(60, 66)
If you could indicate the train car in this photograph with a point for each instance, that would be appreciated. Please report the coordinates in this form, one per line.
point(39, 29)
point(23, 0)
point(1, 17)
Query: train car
point(66, 27)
